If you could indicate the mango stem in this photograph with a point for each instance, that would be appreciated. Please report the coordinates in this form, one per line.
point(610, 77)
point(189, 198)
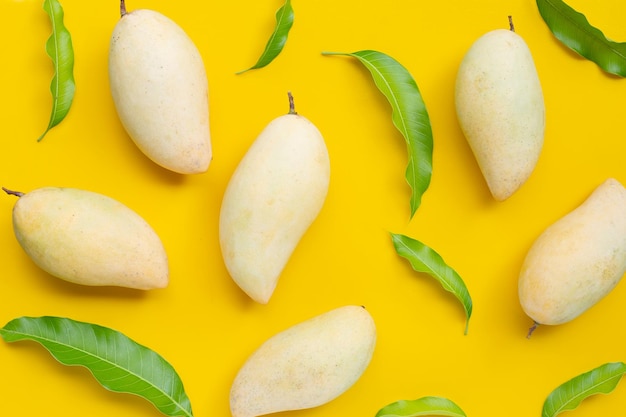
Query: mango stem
point(292, 106)
point(11, 192)
point(532, 329)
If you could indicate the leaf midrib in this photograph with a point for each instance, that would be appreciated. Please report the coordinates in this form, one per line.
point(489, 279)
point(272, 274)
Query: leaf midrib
point(27, 336)
point(395, 105)
point(279, 22)
point(55, 36)
point(587, 30)
point(575, 398)
point(447, 285)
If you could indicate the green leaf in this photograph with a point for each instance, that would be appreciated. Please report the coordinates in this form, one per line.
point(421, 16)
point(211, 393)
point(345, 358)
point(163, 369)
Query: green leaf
point(424, 259)
point(409, 115)
point(59, 48)
point(568, 396)
point(276, 43)
point(574, 30)
point(425, 406)
point(117, 362)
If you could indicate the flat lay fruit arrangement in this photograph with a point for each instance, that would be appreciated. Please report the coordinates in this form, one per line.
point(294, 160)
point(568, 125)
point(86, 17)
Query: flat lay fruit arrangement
point(308, 209)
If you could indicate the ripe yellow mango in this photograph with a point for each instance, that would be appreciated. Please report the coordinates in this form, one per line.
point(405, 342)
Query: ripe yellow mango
point(272, 198)
point(307, 365)
point(500, 109)
point(577, 260)
point(88, 238)
point(160, 90)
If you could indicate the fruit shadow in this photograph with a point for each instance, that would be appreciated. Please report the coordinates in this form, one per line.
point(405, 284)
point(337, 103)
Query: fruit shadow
point(51, 284)
point(143, 164)
point(78, 290)
point(161, 174)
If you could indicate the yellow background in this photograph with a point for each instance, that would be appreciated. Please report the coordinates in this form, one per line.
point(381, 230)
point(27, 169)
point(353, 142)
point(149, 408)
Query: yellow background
point(202, 323)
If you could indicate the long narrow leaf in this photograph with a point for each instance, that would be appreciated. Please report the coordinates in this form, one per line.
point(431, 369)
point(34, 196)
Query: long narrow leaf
point(276, 43)
point(568, 396)
point(59, 48)
point(574, 30)
point(409, 116)
point(425, 259)
point(117, 362)
point(425, 406)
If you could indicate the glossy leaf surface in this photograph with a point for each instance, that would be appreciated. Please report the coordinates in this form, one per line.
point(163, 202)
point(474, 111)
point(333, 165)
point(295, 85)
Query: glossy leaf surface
point(568, 396)
point(409, 116)
point(574, 30)
point(117, 362)
point(424, 259)
point(425, 406)
point(276, 42)
point(59, 48)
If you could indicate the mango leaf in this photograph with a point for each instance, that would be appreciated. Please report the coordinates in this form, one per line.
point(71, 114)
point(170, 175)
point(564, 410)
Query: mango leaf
point(276, 43)
point(424, 259)
point(117, 362)
point(568, 396)
point(409, 116)
point(59, 48)
point(425, 406)
point(574, 31)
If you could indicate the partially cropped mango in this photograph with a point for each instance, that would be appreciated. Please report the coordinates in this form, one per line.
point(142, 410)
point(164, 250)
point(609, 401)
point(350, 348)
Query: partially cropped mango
point(306, 365)
point(160, 90)
point(88, 238)
point(577, 260)
point(500, 109)
point(272, 198)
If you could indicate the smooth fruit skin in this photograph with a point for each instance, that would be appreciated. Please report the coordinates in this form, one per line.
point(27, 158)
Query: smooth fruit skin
point(90, 239)
point(306, 365)
point(577, 260)
point(272, 198)
point(160, 91)
point(500, 109)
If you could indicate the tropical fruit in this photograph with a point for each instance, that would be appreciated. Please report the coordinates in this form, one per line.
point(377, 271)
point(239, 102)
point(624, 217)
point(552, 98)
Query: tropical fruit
point(307, 365)
point(160, 90)
point(500, 109)
point(274, 195)
point(577, 260)
point(88, 238)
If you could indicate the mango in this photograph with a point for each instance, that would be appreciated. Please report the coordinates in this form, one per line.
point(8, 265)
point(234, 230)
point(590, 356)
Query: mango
point(500, 108)
point(577, 260)
point(88, 238)
point(306, 365)
point(273, 196)
point(159, 88)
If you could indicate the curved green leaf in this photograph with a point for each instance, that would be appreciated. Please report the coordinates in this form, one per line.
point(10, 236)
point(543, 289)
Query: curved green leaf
point(276, 43)
point(409, 116)
point(59, 48)
point(574, 30)
point(425, 259)
point(425, 406)
point(568, 396)
point(117, 362)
